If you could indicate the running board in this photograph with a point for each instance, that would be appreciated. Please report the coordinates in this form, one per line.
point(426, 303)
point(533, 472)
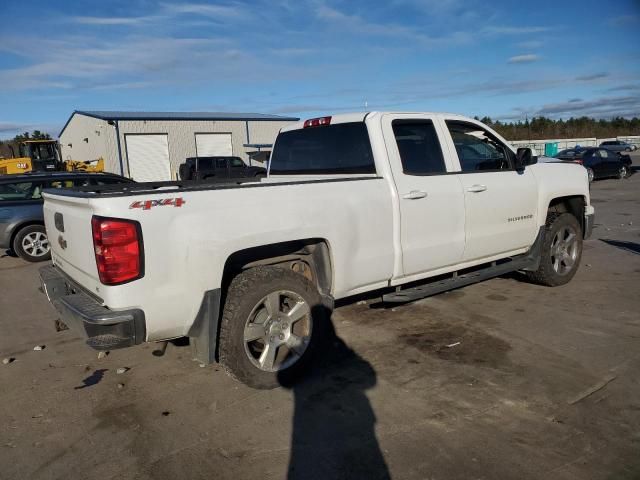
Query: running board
point(527, 261)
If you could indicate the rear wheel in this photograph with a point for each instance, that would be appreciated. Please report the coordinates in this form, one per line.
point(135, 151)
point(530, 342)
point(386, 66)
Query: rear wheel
point(590, 174)
point(561, 251)
point(31, 244)
point(272, 321)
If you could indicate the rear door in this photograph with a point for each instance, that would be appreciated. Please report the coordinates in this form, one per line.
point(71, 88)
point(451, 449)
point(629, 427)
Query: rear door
point(431, 201)
point(500, 202)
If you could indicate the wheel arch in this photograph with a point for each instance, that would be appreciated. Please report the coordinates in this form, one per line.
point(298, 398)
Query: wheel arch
point(310, 257)
point(573, 204)
point(315, 253)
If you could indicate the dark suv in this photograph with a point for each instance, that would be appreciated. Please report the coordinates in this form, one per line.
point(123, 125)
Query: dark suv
point(21, 219)
point(209, 168)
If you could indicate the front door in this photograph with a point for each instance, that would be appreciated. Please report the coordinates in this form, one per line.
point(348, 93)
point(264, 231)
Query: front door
point(500, 202)
point(430, 199)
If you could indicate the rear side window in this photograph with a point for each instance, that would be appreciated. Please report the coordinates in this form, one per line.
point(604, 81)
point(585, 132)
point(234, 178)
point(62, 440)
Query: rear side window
point(477, 150)
point(332, 149)
point(419, 147)
point(20, 191)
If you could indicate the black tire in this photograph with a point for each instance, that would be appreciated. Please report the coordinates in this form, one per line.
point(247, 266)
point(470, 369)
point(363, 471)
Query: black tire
point(37, 236)
point(244, 296)
point(623, 173)
point(185, 172)
point(546, 274)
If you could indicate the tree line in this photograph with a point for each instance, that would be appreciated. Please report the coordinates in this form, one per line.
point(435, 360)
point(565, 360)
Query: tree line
point(541, 128)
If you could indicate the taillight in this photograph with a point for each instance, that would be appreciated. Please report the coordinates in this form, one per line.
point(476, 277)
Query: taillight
point(317, 122)
point(118, 247)
point(578, 160)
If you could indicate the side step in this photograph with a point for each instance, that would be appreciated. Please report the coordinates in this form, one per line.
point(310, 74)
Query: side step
point(526, 261)
point(423, 291)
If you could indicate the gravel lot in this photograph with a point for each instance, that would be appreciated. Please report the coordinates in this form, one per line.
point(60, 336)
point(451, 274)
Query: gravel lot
point(389, 399)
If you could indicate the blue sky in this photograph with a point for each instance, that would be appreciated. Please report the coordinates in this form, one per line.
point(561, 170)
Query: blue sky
point(505, 59)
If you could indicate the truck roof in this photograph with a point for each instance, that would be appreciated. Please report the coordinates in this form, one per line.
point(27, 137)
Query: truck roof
point(361, 116)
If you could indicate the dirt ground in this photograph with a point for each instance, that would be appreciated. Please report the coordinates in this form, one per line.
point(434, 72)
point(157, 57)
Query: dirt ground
point(391, 397)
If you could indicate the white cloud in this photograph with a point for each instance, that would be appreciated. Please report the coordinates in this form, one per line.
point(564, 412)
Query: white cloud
point(528, 58)
point(495, 30)
point(359, 25)
point(206, 10)
point(110, 20)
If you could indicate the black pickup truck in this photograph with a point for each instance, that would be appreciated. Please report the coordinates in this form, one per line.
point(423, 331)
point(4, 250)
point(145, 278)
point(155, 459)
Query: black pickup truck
point(203, 168)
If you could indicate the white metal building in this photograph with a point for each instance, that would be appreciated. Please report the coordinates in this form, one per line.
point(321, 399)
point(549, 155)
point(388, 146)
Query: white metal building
point(150, 146)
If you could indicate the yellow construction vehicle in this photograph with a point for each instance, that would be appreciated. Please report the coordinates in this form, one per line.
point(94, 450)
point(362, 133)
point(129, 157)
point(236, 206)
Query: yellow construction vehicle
point(44, 155)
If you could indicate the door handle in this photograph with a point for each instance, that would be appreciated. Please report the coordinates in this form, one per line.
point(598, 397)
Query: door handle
point(414, 195)
point(477, 188)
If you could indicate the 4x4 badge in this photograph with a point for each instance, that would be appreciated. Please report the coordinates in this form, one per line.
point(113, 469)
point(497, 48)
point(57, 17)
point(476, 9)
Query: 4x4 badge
point(163, 202)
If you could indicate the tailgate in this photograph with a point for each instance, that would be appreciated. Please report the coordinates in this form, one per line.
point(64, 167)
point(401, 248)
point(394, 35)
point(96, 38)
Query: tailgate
point(68, 224)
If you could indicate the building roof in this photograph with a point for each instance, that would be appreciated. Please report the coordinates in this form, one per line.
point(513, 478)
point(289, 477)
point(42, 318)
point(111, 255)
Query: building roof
point(120, 115)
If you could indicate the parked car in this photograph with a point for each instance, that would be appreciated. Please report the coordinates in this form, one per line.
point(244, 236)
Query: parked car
point(21, 220)
point(599, 162)
point(355, 203)
point(618, 146)
point(208, 168)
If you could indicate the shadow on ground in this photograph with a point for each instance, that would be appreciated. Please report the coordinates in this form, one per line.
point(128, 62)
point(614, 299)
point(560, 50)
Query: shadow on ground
point(631, 247)
point(333, 423)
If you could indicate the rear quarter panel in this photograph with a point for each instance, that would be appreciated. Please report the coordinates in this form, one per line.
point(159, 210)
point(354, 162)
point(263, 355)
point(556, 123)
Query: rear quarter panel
point(186, 248)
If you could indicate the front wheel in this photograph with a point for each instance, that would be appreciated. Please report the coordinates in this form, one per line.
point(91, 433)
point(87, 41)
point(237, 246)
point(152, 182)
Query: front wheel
point(32, 244)
point(272, 321)
point(561, 251)
point(623, 172)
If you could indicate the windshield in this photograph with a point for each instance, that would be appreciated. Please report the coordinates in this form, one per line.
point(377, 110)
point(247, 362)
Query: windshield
point(334, 149)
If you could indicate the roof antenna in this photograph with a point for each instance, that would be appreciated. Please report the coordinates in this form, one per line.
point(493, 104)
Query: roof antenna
point(366, 105)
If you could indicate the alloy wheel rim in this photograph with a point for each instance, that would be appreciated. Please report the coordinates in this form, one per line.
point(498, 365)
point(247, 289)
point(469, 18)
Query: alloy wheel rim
point(590, 174)
point(623, 172)
point(35, 244)
point(278, 331)
point(564, 250)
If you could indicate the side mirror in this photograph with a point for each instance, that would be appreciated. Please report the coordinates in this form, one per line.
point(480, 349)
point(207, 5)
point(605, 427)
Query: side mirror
point(524, 157)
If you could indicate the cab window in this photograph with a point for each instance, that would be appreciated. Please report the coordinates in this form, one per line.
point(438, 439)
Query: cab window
point(236, 162)
point(478, 150)
point(419, 147)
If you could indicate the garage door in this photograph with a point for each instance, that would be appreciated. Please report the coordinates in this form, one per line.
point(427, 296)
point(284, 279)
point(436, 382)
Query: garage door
point(213, 145)
point(148, 157)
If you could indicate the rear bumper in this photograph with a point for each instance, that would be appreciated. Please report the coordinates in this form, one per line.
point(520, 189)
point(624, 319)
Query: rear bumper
point(103, 329)
point(589, 218)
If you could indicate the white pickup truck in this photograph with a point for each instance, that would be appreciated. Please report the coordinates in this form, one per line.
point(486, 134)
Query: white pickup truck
point(353, 203)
